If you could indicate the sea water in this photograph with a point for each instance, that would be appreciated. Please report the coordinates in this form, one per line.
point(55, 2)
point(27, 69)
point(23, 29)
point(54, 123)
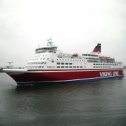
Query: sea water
point(98, 103)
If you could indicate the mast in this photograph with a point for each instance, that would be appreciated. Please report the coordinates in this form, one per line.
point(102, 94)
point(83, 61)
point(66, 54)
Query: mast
point(49, 42)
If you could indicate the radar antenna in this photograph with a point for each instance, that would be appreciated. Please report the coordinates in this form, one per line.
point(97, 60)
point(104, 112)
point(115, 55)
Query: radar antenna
point(50, 43)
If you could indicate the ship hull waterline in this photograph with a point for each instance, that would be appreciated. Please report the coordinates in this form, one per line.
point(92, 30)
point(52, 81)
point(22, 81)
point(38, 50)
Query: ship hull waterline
point(39, 78)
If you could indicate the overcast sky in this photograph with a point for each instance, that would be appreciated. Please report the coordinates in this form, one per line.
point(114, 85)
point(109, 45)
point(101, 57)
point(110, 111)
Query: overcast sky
point(74, 25)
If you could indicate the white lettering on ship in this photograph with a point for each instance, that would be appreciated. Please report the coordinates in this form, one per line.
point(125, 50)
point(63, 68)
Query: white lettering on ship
point(108, 74)
point(115, 73)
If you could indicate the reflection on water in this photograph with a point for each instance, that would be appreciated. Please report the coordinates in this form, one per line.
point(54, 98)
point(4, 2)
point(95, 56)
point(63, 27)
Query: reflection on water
point(99, 103)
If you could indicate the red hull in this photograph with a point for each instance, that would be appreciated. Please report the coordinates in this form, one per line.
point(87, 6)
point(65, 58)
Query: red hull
point(63, 75)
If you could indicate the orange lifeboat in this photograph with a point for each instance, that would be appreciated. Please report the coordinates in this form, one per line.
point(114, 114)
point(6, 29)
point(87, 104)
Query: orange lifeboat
point(75, 55)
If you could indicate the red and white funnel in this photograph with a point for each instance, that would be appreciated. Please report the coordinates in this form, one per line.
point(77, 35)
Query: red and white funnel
point(97, 48)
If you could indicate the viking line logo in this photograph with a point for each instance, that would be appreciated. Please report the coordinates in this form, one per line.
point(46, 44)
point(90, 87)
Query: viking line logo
point(108, 74)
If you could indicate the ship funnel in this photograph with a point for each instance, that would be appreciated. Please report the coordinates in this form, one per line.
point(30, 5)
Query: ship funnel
point(97, 48)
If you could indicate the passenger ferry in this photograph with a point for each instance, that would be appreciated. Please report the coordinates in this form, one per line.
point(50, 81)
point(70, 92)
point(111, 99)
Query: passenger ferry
point(49, 65)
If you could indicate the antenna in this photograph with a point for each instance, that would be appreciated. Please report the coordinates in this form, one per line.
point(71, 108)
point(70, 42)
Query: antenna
point(49, 43)
point(50, 39)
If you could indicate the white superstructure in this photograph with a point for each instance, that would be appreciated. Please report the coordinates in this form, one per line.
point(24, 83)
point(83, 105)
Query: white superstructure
point(49, 57)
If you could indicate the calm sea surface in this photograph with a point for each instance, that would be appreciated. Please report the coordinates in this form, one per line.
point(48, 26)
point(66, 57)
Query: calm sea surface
point(99, 103)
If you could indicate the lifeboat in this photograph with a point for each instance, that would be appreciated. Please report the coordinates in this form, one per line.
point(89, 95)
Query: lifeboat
point(74, 55)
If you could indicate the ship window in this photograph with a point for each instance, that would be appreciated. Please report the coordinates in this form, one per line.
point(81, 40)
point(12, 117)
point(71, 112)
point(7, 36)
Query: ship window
point(51, 66)
point(62, 63)
point(62, 66)
point(58, 63)
point(74, 66)
point(70, 66)
point(66, 66)
point(81, 67)
point(66, 63)
point(70, 63)
point(77, 66)
point(58, 66)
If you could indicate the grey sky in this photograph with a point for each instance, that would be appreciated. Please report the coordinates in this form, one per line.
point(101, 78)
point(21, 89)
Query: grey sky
point(75, 26)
